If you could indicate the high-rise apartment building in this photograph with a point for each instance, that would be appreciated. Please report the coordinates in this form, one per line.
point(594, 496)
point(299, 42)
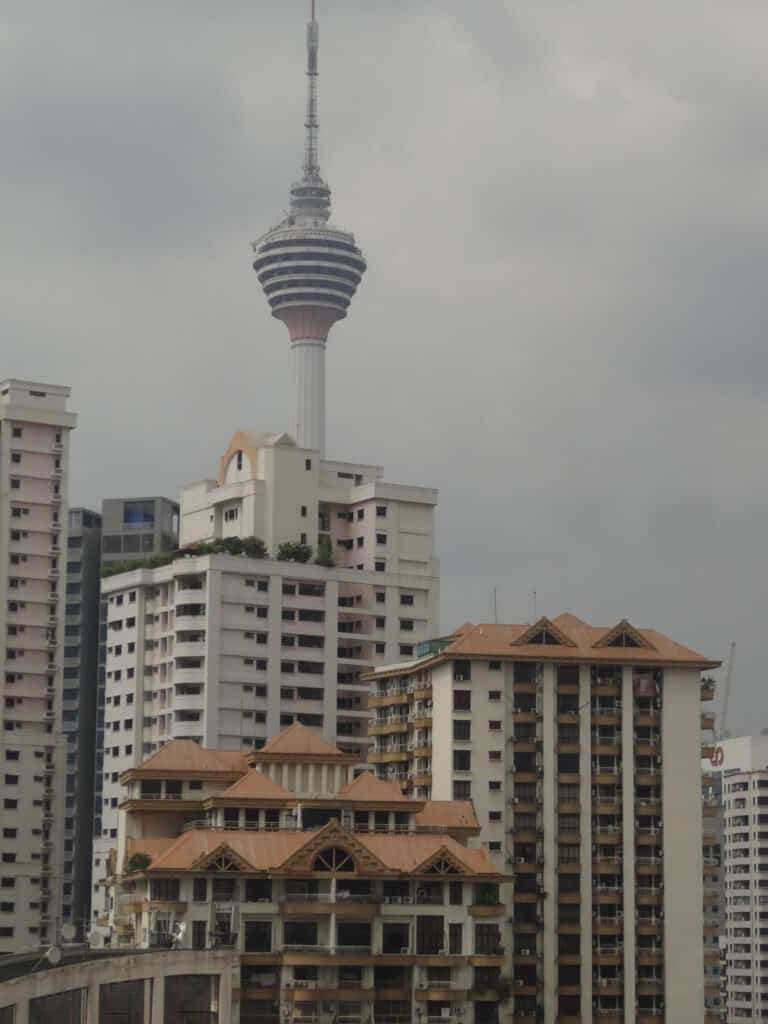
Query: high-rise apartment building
point(737, 774)
point(228, 649)
point(34, 455)
point(580, 747)
point(133, 530)
point(81, 641)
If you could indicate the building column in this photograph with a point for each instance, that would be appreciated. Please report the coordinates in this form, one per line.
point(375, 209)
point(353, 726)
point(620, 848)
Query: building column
point(211, 729)
point(628, 839)
point(548, 708)
point(585, 797)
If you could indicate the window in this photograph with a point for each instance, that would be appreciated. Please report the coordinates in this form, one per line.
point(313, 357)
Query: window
point(380, 648)
point(303, 511)
point(380, 566)
point(406, 599)
point(494, 755)
point(307, 464)
point(17, 432)
point(494, 666)
point(200, 890)
point(486, 938)
point(381, 511)
point(455, 939)
point(462, 760)
point(494, 725)
point(462, 729)
point(361, 513)
point(462, 700)
point(381, 538)
point(406, 625)
point(494, 816)
point(494, 787)
point(494, 695)
point(381, 597)
point(121, 1002)
point(381, 622)
point(230, 515)
point(406, 650)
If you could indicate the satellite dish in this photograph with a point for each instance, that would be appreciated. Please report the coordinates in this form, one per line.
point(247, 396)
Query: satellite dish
point(53, 956)
point(95, 939)
point(68, 932)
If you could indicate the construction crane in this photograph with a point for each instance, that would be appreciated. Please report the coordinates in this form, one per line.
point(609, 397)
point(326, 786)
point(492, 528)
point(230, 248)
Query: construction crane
point(723, 731)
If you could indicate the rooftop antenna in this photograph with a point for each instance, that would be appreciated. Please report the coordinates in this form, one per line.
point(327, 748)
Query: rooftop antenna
point(495, 607)
point(312, 125)
point(533, 605)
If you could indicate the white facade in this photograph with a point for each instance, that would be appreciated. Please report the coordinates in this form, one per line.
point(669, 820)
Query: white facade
point(34, 454)
point(271, 489)
point(739, 768)
point(586, 781)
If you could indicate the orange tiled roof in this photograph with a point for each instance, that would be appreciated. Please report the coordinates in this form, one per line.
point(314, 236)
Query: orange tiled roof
point(410, 851)
point(262, 850)
point(367, 787)
point(448, 814)
point(188, 756)
point(254, 785)
point(151, 845)
point(583, 644)
point(298, 739)
point(268, 851)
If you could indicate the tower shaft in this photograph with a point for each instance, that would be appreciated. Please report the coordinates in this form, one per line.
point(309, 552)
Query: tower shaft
point(309, 380)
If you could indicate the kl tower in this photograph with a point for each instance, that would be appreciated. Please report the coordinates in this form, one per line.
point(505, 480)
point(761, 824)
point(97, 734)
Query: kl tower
point(309, 271)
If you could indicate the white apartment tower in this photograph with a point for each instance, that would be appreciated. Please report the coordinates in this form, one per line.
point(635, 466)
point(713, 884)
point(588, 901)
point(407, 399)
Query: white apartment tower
point(738, 771)
point(580, 747)
point(228, 649)
point(34, 453)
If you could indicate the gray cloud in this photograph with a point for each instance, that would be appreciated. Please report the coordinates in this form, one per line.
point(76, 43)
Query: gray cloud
point(564, 211)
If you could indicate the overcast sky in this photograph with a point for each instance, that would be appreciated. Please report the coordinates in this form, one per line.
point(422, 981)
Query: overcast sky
point(563, 326)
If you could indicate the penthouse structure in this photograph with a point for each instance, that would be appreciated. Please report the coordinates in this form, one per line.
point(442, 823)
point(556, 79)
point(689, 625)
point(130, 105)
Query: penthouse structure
point(34, 454)
point(580, 747)
point(343, 898)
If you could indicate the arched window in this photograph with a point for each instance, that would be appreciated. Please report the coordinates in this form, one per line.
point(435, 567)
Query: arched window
point(333, 859)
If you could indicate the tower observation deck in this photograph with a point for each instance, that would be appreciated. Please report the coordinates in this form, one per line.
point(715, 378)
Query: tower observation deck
point(309, 271)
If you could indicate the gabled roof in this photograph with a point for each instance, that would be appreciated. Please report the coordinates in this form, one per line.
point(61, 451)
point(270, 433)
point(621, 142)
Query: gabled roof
point(489, 640)
point(448, 814)
point(282, 851)
point(261, 850)
point(188, 756)
point(408, 852)
point(620, 634)
point(298, 741)
point(254, 786)
point(545, 633)
point(368, 788)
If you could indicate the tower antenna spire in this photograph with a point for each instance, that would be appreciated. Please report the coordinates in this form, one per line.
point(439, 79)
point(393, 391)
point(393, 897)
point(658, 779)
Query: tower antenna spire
point(311, 125)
